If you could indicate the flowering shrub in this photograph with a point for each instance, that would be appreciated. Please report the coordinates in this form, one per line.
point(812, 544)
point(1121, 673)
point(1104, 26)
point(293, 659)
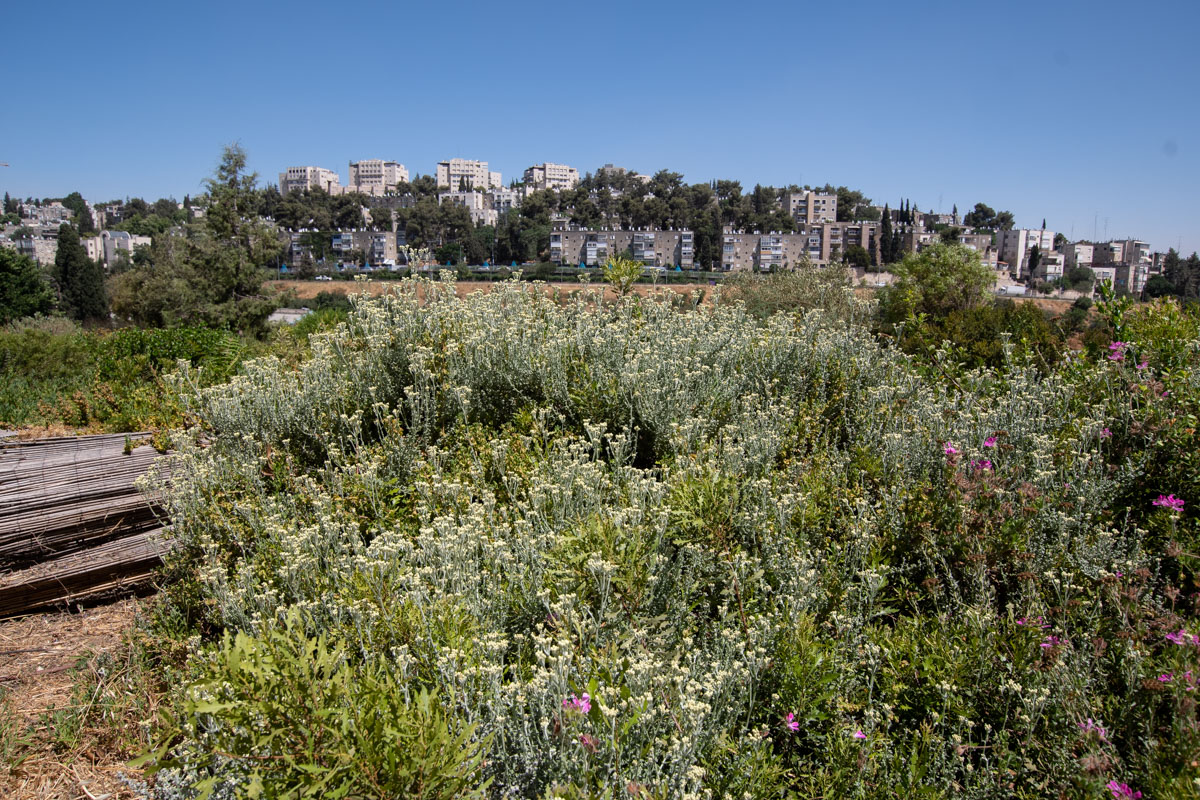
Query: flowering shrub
point(624, 547)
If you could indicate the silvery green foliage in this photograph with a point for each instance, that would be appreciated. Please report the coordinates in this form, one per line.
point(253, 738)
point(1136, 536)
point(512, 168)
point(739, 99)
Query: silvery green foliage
point(551, 558)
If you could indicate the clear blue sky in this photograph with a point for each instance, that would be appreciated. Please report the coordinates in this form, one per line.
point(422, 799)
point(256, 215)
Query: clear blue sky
point(1082, 113)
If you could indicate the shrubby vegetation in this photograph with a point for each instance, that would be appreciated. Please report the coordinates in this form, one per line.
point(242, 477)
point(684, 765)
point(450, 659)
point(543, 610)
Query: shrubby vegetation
point(585, 548)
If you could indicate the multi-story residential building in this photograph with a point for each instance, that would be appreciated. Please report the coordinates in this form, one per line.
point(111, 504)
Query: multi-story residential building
point(1050, 267)
point(811, 208)
point(826, 243)
point(1078, 254)
point(375, 176)
point(114, 243)
point(1015, 245)
point(377, 247)
point(42, 248)
point(556, 177)
point(46, 214)
point(299, 179)
point(592, 248)
point(505, 200)
point(93, 246)
point(463, 173)
point(477, 203)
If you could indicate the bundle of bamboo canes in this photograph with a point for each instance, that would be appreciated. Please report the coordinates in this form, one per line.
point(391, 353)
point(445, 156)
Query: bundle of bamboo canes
point(72, 524)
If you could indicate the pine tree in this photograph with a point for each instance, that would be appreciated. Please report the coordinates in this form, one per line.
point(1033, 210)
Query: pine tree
point(10, 205)
point(80, 280)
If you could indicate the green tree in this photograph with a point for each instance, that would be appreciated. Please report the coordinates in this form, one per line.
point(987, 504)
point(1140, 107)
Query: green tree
point(23, 288)
point(950, 234)
point(11, 205)
point(940, 279)
point(982, 216)
point(1035, 258)
point(83, 215)
point(886, 244)
point(211, 273)
point(857, 256)
point(80, 280)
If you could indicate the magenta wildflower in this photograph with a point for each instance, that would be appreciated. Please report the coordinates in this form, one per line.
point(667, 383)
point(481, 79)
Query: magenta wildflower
point(1105, 433)
point(1122, 790)
point(1177, 638)
point(1143, 365)
point(982, 464)
point(1093, 727)
point(1169, 501)
point(581, 704)
point(1116, 351)
point(949, 449)
point(1051, 641)
point(1166, 677)
point(990, 441)
point(859, 735)
point(1034, 622)
point(790, 722)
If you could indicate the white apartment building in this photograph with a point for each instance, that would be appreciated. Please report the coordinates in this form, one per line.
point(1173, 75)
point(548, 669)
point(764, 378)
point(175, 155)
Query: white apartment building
point(374, 176)
point(505, 200)
point(476, 203)
point(1014, 246)
point(473, 174)
point(298, 179)
point(114, 242)
point(811, 208)
point(557, 177)
point(1078, 254)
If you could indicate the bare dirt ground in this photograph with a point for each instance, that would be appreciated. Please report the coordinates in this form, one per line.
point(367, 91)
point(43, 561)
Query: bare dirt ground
point(52, 740)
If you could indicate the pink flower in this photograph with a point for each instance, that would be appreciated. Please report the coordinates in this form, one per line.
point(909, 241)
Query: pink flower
point(1051, 641)
point(589, 742)
point(1117, 347)
point(1120, 790)
point(1169, 501)
point(1177, 638)
point(1035, 622)
point(1093, 727)
point(983, 464)
point(990, 441)
point(581, 704)
point(859, 735)
point(1143, 365)
point(1166, 677)
point(790, 722)
point(1105, 433)
point(949, 449)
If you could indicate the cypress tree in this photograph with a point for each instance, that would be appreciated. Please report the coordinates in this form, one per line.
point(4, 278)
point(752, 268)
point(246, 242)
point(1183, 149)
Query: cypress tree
point(80, 280)
point(885, 236)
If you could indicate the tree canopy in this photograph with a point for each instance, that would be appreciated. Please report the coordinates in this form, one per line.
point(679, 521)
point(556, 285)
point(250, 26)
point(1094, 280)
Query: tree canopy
point(23, 288)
